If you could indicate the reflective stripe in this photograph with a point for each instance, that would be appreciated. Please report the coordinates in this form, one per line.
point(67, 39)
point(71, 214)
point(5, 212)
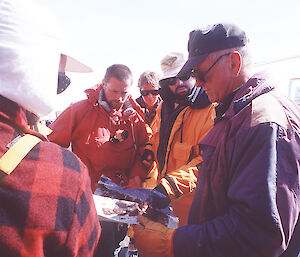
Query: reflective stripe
point(173, 185)
point(10, 160)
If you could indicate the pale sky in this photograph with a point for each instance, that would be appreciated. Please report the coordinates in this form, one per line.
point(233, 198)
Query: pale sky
point(140, 33)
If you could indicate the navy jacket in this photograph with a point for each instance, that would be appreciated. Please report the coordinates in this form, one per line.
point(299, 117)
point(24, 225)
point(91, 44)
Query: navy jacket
point(247, 197)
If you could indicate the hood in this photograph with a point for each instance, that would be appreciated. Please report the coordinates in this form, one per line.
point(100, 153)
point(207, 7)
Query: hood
point(30, 54)
point(255, 86)
point(130, 108)
point(241, 97)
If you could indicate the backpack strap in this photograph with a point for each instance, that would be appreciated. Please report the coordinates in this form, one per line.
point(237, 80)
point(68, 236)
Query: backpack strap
point(10, 160)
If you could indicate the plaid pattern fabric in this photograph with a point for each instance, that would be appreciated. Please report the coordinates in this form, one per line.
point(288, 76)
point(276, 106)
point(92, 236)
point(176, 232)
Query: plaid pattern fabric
point(46, 205)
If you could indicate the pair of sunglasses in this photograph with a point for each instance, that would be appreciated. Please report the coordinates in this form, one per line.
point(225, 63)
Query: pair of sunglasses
point(168, 82)
point(147, 92)
point(200, 76)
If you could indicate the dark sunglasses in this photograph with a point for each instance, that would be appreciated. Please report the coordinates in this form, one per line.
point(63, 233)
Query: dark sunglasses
point(63, 82)
point(147, 92)
point(168, 82)
point(200, 76)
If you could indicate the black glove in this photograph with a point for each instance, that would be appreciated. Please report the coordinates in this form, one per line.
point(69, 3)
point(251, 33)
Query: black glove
point(159, 198)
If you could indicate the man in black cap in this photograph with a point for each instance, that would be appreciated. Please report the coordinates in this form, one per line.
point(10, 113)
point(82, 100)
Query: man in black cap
point(247, 198)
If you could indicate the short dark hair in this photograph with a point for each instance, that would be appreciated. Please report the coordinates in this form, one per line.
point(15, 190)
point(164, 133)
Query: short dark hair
point(118, 71)
point(149, 77)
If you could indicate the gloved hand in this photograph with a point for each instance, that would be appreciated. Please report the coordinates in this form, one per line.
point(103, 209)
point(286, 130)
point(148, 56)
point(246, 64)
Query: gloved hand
point(159, 197)
point(153, 239)
point(147, 158)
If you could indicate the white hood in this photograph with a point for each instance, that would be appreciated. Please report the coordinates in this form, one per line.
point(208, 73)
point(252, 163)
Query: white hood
point(29, 55)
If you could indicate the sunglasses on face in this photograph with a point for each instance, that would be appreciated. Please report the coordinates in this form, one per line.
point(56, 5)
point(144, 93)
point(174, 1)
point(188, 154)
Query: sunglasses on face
point(200, 76)
point(168, 82)
point(147, 92)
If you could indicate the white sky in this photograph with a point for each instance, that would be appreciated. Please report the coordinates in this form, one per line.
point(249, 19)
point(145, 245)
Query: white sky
point(138, 33)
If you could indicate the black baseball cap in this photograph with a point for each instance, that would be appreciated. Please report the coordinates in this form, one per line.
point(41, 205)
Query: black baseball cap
point(213, 38)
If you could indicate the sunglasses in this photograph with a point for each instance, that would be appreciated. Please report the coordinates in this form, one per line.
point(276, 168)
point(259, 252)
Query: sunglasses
point(200, 76)
point(168, 82)
point(147, 92)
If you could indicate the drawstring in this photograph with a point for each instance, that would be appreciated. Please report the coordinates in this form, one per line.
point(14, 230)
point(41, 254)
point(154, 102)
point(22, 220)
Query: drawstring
point(133, 136)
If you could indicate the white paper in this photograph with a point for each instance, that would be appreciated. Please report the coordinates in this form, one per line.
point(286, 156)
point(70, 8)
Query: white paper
point(115, 210)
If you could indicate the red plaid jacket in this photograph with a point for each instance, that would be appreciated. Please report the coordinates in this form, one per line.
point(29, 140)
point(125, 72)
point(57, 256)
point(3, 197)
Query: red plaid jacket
point(46, 204)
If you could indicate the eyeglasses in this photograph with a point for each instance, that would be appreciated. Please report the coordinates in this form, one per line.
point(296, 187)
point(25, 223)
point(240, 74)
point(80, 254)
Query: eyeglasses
point(147, 92)
point(200, 76)
point(168, 82)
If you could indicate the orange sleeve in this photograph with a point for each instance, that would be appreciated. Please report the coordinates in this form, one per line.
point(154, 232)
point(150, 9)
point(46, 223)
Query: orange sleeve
point(62, 128)
point(184, 178)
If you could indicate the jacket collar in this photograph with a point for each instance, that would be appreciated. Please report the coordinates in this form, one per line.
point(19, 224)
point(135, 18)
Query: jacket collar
point(236, 101)
point(96, 97)
point(198, 99)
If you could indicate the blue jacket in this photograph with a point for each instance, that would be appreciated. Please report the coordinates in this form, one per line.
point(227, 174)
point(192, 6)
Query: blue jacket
point(247, 197)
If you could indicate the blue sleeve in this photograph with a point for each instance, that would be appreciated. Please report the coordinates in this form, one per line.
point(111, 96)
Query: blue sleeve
point(263, 197)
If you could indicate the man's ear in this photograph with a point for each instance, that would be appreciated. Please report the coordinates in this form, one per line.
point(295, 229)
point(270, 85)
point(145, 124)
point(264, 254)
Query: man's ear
point(236, 63)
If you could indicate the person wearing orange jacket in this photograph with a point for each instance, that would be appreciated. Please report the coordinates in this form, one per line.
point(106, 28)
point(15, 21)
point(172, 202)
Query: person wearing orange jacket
point(182, 120)
point(107, 132)
point(149, 100)
point(247, 199)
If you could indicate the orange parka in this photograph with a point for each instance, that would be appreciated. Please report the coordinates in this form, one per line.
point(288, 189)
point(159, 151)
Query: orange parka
point(89, 128)
point(179, 174)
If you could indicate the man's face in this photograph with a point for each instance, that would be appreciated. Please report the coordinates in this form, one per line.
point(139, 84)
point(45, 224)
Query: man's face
point(150, 94)
point(116, 92)
point(181, 88)
point(214, 76)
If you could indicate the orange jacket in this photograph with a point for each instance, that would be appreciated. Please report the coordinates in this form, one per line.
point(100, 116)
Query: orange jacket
point(179, 174)
point(89, 128)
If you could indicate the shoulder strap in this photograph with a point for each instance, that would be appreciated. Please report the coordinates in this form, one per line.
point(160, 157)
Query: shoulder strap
point(10, 160)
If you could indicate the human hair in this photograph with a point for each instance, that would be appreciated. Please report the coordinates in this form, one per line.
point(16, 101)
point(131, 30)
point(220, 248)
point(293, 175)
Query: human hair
point(118, 71)
point(149, 77)
point(245, 52)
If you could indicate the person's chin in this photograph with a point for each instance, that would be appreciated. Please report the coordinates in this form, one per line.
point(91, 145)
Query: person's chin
point(182, 93)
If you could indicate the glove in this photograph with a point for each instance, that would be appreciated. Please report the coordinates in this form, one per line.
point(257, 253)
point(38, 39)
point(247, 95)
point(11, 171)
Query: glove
point(159, 197)
point(147, 158)
point(153, 239)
